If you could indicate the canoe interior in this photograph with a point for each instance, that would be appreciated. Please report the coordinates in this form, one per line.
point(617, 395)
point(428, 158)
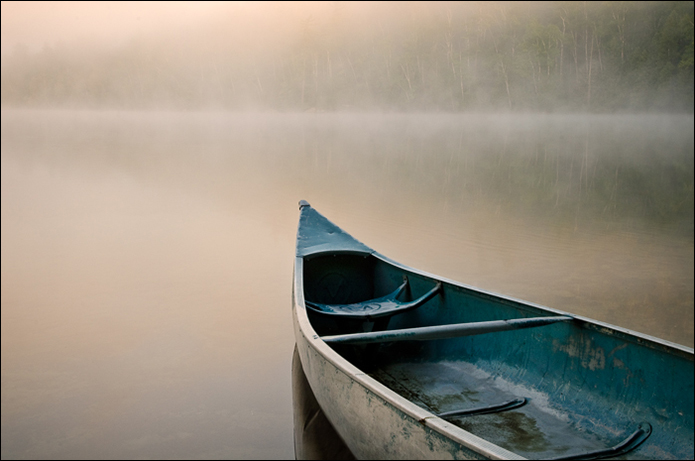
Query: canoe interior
point(588, 386)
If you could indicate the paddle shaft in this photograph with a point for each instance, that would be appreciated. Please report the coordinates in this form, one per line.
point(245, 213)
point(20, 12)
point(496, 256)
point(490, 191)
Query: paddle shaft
point(443, 331)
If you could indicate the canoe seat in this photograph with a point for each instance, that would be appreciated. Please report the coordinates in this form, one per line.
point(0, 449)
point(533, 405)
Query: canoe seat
point(386, 306)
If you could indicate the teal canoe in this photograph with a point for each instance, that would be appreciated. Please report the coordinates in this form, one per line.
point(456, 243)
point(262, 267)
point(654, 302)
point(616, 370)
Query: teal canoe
point(407, 365)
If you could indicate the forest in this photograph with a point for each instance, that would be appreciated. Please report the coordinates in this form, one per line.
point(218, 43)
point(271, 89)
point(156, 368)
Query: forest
point(603, 57)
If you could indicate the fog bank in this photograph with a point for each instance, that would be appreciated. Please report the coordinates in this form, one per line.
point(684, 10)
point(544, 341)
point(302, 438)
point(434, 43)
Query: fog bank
point(393, 56)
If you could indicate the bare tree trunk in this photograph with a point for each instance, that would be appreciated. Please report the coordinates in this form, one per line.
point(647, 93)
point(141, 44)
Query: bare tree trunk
point(562, 45)
point(619, 17)
point(463, 97)
point(406, 74)
point(303, 79)
point(576, 58)
point(586, 39)
point(328, 63)
point(316, 79)
point(504, 72)
point(506, 83)
point(449, 43)
point(533, 77)
point(591, 58)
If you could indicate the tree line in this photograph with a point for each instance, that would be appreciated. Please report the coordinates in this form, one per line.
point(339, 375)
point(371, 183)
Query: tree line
point(422, 56)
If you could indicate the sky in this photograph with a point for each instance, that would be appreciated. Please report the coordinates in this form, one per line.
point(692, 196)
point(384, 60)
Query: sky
point(36, 24)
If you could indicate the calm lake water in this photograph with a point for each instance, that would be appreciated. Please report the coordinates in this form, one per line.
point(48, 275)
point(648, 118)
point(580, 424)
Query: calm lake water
point(147, 257)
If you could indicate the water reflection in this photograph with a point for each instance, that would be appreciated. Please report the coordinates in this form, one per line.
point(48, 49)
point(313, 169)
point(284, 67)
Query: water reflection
point(146, 258)
point(314, 437)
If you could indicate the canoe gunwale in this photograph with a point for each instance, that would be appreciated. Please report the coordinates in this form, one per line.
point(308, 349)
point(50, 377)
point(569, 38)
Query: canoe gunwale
point(586, 322)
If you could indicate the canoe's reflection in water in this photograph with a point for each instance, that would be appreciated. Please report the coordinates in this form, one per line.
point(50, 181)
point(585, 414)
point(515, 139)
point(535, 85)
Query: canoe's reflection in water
point(314, 436)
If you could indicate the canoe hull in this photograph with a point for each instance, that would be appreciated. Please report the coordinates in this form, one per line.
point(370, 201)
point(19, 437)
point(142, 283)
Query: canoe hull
point(585, 386)
point(374, 422)
point(314, 436)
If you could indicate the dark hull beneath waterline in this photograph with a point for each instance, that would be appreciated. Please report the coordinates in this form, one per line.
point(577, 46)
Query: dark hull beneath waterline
point(314, 436)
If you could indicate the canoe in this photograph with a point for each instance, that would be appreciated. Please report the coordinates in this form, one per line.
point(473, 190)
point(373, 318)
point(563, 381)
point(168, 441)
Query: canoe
point(407, 365)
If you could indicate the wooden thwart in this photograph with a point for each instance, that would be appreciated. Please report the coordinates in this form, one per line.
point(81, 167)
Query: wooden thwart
point(443, 331)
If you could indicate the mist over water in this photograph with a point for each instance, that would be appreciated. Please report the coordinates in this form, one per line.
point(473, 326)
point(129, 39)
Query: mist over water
point(147, 241)
point(336, 56)
point(147, 257)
